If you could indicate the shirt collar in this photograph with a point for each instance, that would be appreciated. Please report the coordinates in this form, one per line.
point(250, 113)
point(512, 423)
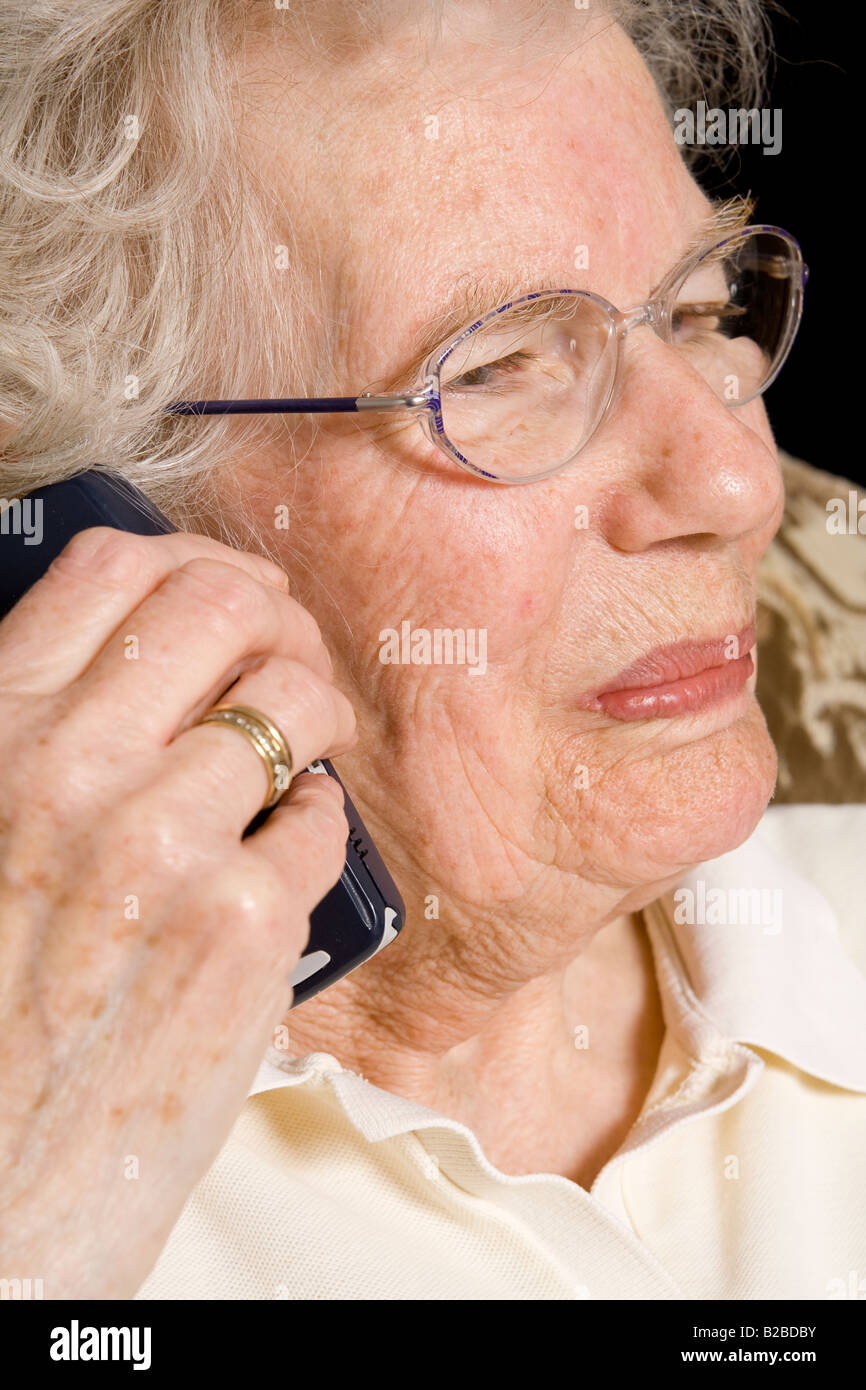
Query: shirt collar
point(760, 950)
point(747, 951)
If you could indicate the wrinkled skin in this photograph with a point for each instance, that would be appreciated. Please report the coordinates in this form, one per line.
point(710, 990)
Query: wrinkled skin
point(129, 1037)
point(471, 783)
point(145, 950)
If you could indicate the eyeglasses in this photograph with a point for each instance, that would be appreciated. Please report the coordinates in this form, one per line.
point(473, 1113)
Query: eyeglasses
point(518, 394)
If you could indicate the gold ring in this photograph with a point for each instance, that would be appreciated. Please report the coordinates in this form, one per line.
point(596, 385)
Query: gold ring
point(267, 740)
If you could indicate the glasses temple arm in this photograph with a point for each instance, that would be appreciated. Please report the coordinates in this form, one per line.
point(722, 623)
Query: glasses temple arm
point(319, 405)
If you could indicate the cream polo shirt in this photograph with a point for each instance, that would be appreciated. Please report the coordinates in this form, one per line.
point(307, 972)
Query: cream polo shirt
point(743, 1177)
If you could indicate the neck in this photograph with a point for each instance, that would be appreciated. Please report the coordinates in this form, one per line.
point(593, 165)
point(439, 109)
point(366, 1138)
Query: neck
point(549, 1066)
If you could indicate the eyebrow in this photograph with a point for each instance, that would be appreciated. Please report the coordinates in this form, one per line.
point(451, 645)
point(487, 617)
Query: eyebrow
point(475, 295)
point(726, 216)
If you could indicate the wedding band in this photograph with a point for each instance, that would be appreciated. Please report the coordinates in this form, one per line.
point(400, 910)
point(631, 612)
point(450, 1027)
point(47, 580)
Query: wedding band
point(267, 740)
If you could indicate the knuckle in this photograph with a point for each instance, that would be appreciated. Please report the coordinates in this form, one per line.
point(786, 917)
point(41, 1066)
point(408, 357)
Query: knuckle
point(101, 553)
point(226, 590)
point(246, 892)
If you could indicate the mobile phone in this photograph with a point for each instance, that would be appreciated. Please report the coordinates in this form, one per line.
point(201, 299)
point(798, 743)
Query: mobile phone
point(364, 911)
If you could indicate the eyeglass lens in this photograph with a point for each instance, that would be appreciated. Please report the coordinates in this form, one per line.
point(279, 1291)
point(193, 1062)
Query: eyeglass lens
point(521, 395)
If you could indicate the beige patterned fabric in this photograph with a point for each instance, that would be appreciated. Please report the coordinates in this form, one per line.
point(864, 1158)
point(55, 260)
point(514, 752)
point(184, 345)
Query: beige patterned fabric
point(812, 639)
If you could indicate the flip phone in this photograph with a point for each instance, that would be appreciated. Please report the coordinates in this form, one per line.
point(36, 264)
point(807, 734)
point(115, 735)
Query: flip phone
point(364, 911)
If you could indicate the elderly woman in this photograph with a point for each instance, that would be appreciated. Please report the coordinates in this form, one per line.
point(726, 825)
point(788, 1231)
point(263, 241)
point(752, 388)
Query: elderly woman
point(617, 1050)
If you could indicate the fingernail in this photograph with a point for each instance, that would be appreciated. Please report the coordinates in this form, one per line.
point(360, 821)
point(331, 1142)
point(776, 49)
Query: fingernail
point(275, 574)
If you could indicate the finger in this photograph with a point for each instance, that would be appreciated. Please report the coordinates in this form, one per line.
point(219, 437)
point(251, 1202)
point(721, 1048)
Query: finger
point(218, 764)
point(176, 655)
point(304, 838)
point(56, 629)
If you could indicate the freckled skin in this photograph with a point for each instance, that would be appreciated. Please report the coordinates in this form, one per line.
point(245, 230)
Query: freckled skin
point(470, 785)
point(140, 1036)
point(170, 1109)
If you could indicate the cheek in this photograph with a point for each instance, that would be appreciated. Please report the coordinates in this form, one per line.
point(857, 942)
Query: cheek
point(635, 817)
point(398, 547)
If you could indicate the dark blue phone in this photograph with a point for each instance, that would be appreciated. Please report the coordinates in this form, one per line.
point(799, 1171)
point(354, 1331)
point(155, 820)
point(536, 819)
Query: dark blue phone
point(364, 911)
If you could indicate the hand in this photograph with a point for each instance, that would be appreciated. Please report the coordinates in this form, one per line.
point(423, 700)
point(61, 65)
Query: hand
point(145, 948)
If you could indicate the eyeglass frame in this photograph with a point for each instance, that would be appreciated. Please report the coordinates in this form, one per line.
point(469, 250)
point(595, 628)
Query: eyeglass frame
point(655, 314)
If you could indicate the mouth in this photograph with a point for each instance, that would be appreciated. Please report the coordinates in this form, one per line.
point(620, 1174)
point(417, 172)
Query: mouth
point(678, 679)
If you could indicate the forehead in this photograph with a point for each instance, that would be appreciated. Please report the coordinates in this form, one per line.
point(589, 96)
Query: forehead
point(420, 176)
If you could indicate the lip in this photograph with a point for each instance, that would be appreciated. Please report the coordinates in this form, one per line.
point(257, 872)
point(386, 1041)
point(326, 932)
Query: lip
point(677, 679)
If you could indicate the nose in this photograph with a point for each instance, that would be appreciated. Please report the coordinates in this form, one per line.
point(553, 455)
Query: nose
point(689, 465)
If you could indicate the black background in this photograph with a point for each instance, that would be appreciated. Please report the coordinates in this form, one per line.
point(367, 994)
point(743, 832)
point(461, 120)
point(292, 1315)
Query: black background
point(808, 188)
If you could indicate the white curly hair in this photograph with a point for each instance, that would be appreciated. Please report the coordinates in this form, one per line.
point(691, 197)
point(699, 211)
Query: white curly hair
point(135, 234)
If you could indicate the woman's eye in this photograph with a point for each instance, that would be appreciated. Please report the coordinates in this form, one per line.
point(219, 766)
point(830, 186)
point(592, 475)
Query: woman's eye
point(488, 373)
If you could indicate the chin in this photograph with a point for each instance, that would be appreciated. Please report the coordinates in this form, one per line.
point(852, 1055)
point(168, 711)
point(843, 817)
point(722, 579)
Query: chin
point(667, 804)
point(706, 797)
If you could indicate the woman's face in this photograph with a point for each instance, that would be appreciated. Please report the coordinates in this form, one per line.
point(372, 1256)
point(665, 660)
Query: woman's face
point(501, 787)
